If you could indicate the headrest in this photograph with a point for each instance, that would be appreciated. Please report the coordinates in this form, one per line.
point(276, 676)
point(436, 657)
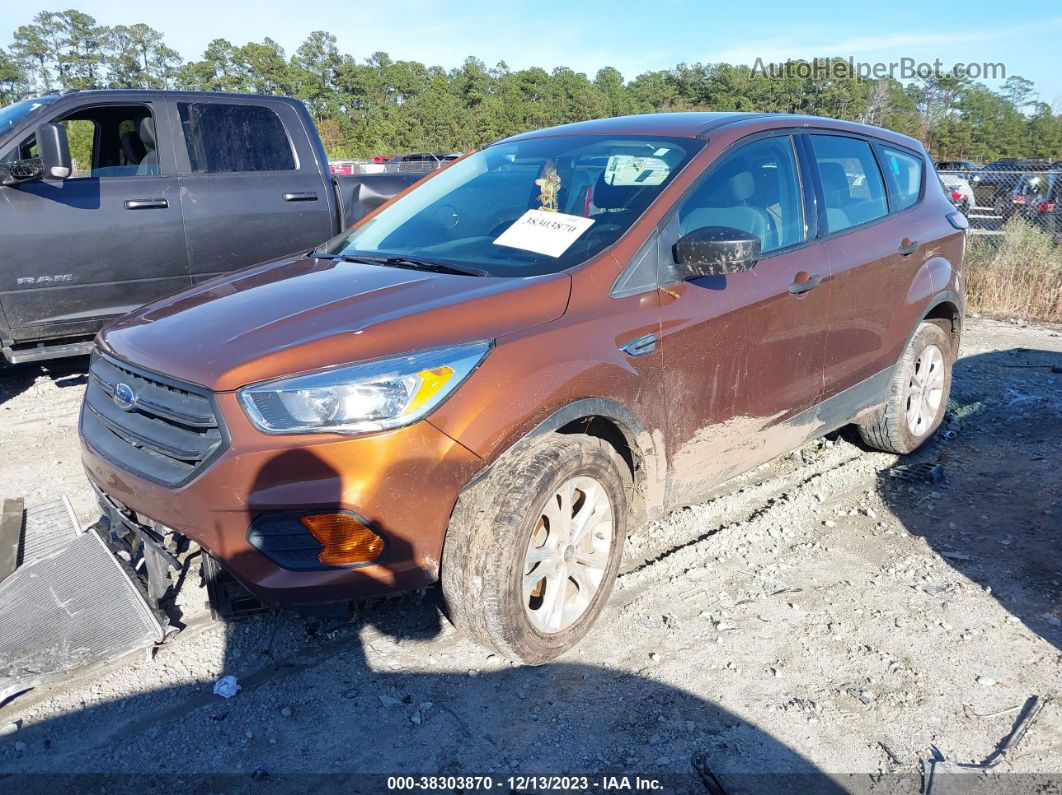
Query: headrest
point(613, 197)
point(133, 147)
point(742, 186)
point(834, 179)
point(147, 131)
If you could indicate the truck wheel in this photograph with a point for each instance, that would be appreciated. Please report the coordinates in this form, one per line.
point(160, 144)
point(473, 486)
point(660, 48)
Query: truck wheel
point(918, 393)
point(532, 549)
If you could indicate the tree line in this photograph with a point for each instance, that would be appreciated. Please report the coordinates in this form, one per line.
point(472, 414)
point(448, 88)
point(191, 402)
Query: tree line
point(376, 105)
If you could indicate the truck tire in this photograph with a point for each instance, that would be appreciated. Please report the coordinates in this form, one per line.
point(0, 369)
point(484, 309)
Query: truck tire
point(918, 393)
point(558, 510)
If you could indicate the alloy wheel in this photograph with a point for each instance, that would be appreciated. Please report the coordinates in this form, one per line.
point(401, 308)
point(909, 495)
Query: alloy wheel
point(567, 554)
point(925, 390)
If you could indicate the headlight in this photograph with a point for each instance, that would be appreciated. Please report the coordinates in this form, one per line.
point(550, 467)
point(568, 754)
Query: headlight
point(372, 396)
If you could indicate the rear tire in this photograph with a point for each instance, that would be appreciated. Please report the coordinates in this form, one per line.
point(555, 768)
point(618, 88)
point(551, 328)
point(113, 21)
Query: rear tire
point(918, 393)
point(517, 521)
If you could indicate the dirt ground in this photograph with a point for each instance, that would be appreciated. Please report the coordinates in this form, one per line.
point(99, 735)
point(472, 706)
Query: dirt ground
point(818, 615)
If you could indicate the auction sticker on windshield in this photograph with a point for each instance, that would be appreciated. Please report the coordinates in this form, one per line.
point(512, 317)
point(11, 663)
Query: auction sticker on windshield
point(544, 232)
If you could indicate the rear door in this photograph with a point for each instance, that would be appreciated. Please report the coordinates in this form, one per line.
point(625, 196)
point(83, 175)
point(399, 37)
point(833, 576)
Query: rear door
point(104, 241)
point(873, 254)
point(252, 186)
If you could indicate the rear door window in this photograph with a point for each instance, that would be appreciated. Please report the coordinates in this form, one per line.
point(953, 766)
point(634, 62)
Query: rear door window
point(852, 187)
point(904, 173)
point(223, 138)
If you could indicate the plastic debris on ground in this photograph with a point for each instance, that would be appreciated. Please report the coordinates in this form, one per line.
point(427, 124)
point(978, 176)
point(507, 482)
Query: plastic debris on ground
point(226, 686)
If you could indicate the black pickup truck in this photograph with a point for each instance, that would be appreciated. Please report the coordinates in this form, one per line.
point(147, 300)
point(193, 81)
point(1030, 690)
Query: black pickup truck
point(110, 199)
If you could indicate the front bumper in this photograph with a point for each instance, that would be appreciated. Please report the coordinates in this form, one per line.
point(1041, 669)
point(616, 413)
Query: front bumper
point(405, 482)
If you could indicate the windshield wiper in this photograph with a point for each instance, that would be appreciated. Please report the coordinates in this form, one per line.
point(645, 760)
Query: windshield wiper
point(413, 263)
point(417, 264)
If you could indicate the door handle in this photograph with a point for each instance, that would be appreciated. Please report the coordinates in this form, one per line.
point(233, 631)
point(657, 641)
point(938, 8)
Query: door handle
point(907, 247)
point(641, 346)
point(805, 284)
point(300, 197)
point(146, 204)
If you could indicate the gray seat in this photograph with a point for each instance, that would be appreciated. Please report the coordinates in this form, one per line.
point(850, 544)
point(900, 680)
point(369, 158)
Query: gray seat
point(733, 212)
point(149, 165)
point(133, 148)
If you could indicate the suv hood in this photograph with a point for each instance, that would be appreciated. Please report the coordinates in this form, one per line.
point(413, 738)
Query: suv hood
point(298, 315)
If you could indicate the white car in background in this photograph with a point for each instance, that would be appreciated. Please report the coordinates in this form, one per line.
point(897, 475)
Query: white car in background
point(959, 191)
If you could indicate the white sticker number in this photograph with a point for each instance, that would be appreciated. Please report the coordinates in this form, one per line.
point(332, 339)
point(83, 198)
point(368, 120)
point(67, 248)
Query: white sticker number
point(544, 232)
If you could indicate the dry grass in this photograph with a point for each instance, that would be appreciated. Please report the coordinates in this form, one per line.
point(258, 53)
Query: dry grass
point(1017, 275)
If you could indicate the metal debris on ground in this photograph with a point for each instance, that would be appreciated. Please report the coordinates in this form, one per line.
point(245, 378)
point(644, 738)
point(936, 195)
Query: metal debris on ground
point(10, 536)
point(924, 470)
point(68, 607)
point(941, 774)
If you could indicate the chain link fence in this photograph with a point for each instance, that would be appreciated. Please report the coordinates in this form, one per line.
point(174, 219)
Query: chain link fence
point(399, 164)
point(990, 196)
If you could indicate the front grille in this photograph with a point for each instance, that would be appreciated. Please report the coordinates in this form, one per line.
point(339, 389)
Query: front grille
point(170, 432)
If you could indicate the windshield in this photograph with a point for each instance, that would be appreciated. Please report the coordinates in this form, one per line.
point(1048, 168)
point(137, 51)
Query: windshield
point(12, 114)
point(525, 208)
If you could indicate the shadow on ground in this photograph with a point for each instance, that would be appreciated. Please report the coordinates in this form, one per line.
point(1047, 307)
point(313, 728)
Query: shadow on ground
point(997, 517)
point(314, 714)
point(324, 719)
point(17, 378)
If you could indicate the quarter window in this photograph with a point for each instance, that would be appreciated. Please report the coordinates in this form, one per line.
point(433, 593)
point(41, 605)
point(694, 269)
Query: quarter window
point(853, 191)
point(754, 189)
point(230, 138)
point(904, 173)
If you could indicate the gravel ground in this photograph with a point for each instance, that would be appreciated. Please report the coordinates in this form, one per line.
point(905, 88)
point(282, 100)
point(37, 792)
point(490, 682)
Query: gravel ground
point(815, 615)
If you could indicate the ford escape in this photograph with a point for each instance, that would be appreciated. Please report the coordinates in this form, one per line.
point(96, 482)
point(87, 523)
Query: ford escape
point(502, 372)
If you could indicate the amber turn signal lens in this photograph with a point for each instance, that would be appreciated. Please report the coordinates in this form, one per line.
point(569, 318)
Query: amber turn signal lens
point(345, 539)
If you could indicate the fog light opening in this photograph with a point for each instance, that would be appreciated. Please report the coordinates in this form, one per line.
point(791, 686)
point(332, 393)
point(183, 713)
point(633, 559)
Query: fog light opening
point(345, 540)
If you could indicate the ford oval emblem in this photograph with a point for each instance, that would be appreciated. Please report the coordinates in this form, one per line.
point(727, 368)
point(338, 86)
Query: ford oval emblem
point(124, 396)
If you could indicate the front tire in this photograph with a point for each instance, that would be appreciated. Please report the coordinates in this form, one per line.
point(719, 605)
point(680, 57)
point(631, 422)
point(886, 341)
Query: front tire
point(533, 549)
point(918, 393)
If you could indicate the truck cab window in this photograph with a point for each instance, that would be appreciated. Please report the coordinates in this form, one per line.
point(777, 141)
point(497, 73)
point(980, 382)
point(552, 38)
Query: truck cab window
point(107, 141)
point(225, 138)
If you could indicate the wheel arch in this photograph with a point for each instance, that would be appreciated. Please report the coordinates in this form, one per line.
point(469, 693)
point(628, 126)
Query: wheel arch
point(621, 428)
point(944, 306)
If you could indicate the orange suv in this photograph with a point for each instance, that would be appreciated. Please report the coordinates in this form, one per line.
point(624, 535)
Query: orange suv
point(505, 370)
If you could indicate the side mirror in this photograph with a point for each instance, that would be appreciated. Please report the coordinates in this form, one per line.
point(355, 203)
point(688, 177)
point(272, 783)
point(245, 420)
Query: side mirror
point(715, 250)
point(54, 151)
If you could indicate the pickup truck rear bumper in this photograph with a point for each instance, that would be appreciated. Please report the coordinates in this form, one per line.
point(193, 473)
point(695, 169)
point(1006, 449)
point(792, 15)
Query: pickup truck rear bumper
point(404, 482)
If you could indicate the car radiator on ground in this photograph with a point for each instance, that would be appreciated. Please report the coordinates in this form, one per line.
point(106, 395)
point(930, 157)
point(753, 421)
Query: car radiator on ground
point(69, 606)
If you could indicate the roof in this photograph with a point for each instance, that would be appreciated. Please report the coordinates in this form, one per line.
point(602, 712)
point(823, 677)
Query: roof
point(679, 125)
point(101, 92)
point(698, 125)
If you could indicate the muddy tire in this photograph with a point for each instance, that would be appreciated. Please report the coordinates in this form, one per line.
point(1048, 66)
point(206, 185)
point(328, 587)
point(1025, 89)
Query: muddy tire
point(918, 393)
point(533, 549)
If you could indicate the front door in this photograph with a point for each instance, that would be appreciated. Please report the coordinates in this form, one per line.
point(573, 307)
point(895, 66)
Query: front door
point(106, 240)
point(743, 353)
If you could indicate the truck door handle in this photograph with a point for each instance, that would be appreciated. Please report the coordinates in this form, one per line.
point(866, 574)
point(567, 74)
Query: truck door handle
point(300, 197)
point(802, 285)
point(146, 204)
point(641, 346)
point(907, 247)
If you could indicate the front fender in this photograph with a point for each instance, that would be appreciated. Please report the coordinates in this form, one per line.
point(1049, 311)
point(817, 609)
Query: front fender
point(647, 454)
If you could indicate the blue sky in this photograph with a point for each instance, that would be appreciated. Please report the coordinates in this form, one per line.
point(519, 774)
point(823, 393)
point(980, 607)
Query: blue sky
point(633, 37)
